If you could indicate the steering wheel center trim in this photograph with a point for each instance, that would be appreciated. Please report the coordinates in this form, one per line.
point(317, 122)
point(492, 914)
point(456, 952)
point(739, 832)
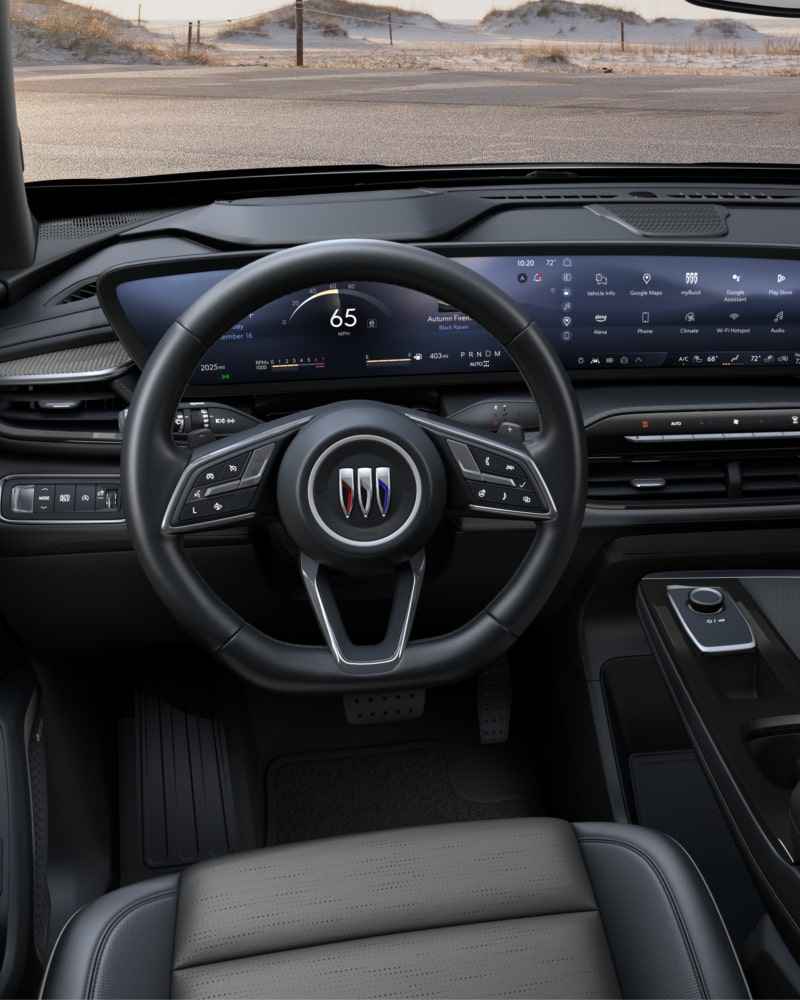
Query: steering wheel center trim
point(342, 445)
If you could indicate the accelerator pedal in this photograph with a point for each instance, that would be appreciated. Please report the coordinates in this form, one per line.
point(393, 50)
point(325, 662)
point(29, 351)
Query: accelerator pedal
point(494, 702)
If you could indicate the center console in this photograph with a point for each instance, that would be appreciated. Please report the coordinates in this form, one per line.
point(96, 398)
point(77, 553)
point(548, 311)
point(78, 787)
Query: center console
point(728, 645)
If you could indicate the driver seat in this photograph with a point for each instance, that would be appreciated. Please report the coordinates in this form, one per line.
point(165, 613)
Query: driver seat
point(522, 907)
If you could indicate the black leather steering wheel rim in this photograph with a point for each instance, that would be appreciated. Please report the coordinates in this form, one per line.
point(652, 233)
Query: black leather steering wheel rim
point(151, 464)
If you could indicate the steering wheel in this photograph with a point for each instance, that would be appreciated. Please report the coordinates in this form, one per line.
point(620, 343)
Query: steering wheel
point(360, 487)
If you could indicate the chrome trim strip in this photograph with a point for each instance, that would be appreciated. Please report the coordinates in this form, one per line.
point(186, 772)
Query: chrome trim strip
point(67, 377)
point(365, 490)
point(309, 570)
point(737, 647)
point(383, 484)
point(347, 491)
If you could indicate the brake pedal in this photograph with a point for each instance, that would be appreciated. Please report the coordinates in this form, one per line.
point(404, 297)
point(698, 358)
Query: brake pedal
point(389, 706)
point(494, 702)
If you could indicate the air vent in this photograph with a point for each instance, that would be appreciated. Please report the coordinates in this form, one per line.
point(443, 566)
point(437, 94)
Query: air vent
point(656, 482)
point(60, 414)
point(731, 196)
point(682, 481)
point(79, 294)
point(550, 196)
point(770, 478)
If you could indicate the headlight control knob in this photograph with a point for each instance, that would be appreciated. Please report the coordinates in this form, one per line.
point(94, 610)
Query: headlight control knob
point(706, 600)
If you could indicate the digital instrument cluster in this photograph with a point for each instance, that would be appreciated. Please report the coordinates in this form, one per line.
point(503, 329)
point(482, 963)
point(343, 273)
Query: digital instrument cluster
point(599, 311)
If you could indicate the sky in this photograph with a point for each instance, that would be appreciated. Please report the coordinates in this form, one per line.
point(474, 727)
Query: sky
point(444, 10)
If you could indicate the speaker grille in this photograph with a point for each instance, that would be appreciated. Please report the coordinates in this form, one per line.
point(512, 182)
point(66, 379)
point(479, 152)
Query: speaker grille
point(668, 221)
point(81, 227)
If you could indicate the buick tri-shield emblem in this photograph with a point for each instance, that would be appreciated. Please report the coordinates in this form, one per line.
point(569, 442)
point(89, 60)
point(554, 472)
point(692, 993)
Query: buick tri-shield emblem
point(374, 485)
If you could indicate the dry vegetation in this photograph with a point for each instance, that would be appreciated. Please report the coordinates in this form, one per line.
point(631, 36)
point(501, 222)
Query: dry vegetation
point(55, 30)
point(88, 35)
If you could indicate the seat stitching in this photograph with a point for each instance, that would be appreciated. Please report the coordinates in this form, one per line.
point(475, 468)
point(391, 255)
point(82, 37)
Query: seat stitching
point(648, 859)
point(102, 944)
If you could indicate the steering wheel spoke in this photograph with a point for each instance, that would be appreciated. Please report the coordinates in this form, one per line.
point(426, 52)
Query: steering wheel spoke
point(349, 656)
point(224, 481)
point(488, 477)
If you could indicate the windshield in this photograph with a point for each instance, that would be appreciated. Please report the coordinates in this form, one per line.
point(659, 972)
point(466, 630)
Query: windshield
point(170, 86)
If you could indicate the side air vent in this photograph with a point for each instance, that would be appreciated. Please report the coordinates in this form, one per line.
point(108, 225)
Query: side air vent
point(654, 482)
point(777, 477)
point(82, 227)
point(60, 414)
point(79, 294)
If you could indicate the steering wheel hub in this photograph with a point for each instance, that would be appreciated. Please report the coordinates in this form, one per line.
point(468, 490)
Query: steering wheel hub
point(361, 488)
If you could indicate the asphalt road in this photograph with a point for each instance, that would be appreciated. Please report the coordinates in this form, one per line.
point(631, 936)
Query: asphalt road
point(105, 121)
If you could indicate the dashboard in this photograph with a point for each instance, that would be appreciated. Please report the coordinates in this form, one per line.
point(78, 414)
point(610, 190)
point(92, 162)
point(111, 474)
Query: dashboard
point(671, 296)
point(607, 311)
point(671, 299)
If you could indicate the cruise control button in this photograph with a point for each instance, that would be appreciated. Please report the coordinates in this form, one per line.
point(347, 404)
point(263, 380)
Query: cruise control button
point(497, 464)
point(230, 503)
point(257, 464)
point(231, 468)
point(212, 491)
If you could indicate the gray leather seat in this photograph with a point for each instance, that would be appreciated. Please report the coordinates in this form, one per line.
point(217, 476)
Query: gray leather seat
point(528, 907)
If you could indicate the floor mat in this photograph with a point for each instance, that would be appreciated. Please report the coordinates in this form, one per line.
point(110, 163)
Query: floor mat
point(324, 795)
point(673, 795)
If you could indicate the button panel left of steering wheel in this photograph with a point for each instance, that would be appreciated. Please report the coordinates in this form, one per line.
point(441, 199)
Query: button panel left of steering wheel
point(222, 488)
point(61, 499)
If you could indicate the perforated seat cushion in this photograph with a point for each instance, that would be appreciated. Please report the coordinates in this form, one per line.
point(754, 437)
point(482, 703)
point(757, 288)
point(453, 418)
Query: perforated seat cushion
point(524, 907)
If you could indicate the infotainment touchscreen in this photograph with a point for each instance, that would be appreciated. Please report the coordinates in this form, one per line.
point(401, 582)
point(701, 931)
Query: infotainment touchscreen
point(600, 312)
